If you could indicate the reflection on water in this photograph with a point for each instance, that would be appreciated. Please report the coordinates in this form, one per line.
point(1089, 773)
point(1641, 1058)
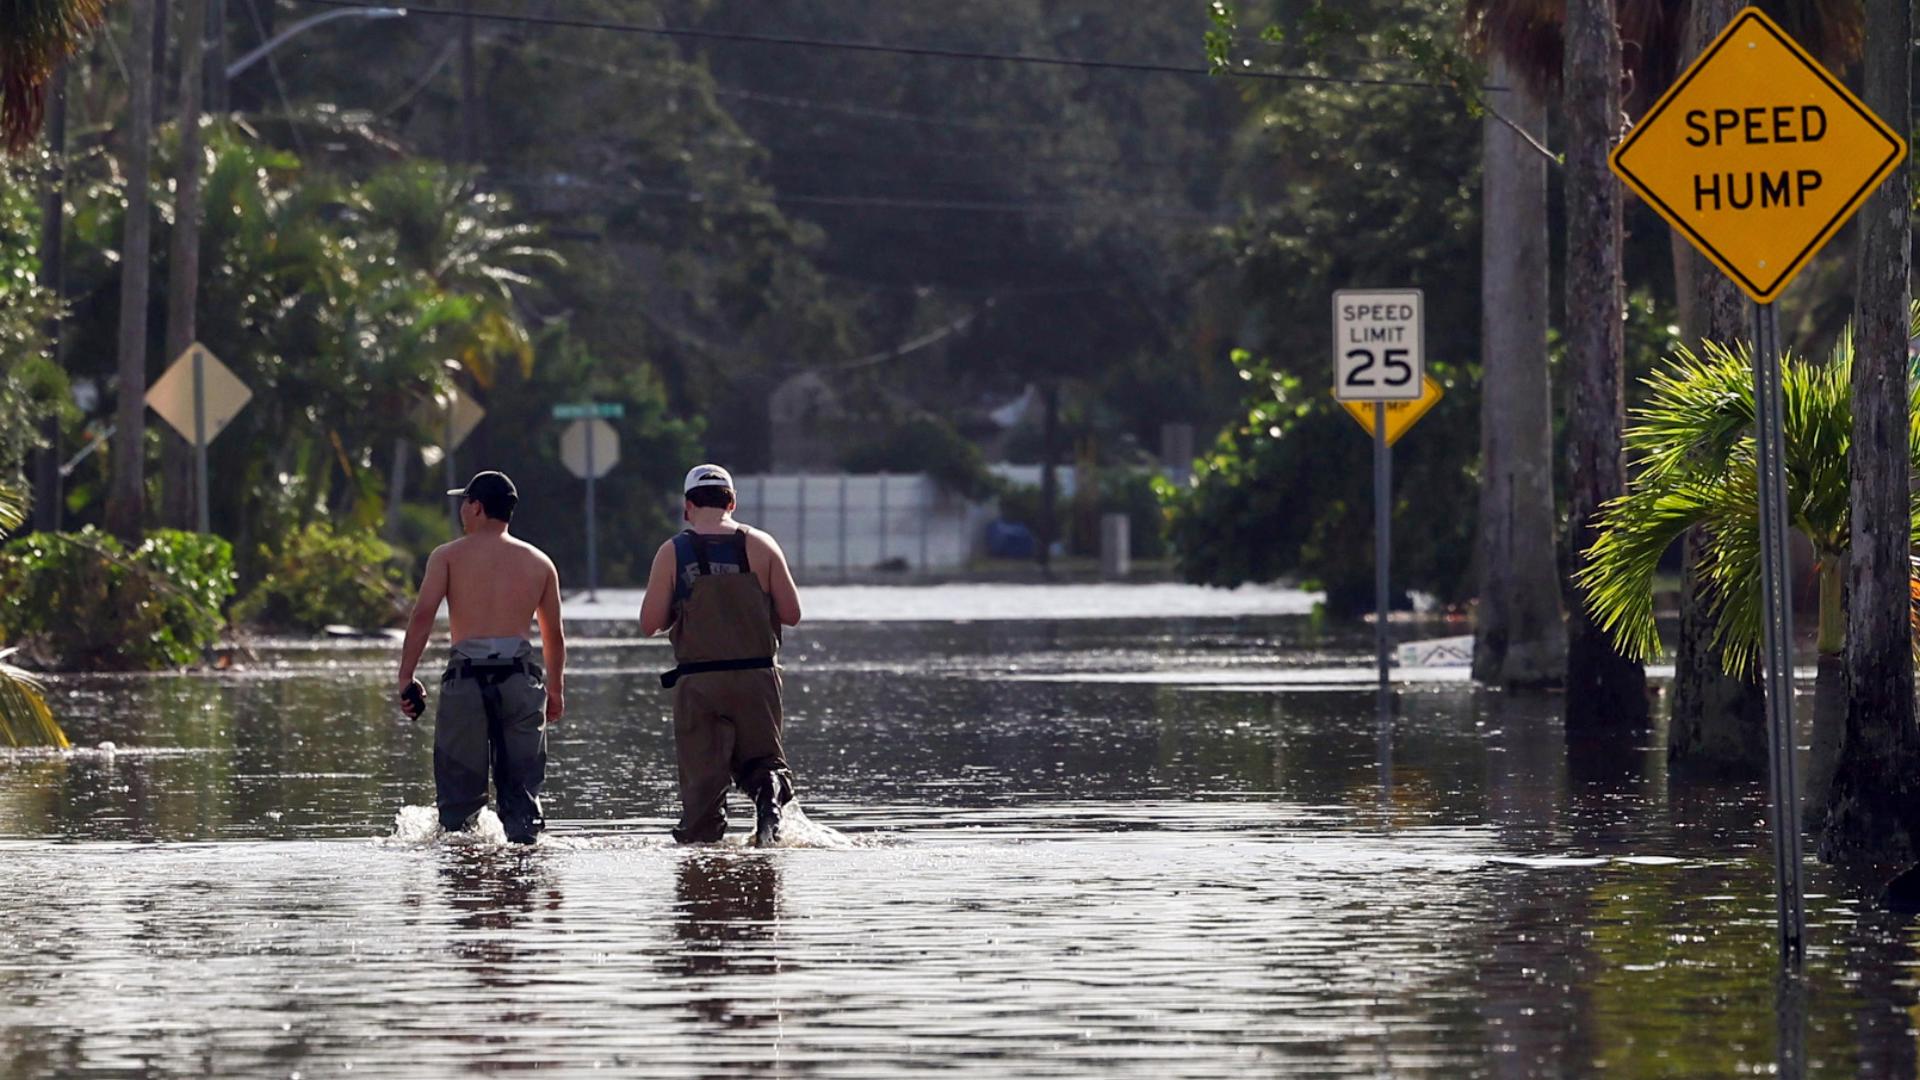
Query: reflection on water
point(725, 919)
point(1078, 875)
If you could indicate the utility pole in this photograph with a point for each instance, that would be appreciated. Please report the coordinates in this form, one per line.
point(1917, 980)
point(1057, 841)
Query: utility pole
point(183, 266)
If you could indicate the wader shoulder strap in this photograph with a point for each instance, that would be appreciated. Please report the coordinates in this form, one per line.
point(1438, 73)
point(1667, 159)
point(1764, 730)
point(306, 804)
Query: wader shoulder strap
point(756, 663)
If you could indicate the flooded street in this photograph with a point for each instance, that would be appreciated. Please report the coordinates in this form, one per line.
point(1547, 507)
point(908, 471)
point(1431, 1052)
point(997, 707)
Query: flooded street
point(1161, 845)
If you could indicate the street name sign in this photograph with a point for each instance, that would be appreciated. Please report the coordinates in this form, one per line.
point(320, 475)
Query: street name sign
point(1401, 415)
point(1378, 344)
point(590, 410)
point(1757, 155)
point(605, 450)
point(221, 392)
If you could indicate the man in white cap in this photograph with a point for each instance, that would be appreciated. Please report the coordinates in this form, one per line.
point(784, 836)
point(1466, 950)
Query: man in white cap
point(722, 592)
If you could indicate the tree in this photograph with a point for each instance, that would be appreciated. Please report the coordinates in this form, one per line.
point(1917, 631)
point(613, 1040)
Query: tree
point(1716, 720)
point(1875, 805)
point(1520, 634)
point(126, 503)
point(37, 37)
point(1605, 689)
point(1694, 454)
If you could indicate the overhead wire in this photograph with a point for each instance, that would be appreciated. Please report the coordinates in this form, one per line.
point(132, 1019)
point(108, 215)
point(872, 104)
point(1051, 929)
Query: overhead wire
point(924, 51)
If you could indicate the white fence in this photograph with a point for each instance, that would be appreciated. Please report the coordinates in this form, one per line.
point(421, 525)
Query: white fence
point(851, 524)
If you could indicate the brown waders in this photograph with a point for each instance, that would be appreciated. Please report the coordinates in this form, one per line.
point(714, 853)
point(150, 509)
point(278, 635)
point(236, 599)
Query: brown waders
point(491, 717)
point(726, 689)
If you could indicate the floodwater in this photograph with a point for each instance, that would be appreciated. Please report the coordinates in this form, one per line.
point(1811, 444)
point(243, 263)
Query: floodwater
point(1157, 846)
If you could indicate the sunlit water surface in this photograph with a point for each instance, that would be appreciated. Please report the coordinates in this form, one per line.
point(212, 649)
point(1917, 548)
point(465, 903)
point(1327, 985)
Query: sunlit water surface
point(1152, 846)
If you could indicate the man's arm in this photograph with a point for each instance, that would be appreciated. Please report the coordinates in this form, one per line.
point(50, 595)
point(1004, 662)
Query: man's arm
point(780, 586)
point(433, 590)
point(656, 611)
point(553, 646)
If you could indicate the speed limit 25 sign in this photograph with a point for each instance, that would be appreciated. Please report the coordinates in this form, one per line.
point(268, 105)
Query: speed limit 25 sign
point(1378, 344)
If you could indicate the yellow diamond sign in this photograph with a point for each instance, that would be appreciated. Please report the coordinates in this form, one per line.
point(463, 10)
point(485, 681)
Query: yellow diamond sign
point(1758, 155)
point(1401, 415)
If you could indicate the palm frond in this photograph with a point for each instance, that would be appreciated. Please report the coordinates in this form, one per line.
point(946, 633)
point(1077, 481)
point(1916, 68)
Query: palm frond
point(13, 508)
point(25, 719)
point(1635, 531)
point(35, 36)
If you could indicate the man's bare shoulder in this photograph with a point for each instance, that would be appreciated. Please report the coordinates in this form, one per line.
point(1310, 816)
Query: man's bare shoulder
point(531, 552)
point(762, 539)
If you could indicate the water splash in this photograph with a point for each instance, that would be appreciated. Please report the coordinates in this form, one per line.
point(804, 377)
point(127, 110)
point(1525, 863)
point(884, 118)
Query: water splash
point(419, 826)
point(799, 831)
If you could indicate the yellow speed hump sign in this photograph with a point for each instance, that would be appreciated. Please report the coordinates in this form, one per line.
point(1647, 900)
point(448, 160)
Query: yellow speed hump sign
point(1757, 155)
point(1401, 415)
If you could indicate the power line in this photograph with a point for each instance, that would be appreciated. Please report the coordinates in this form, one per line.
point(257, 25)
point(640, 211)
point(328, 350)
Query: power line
point(738, 37)
point(691, 196)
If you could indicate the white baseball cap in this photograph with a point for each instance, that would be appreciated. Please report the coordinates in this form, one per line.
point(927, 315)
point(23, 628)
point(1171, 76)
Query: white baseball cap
point(708, 476)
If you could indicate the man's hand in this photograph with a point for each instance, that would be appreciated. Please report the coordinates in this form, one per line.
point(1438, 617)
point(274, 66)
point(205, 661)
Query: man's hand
point(556, 702)
point(413, 699)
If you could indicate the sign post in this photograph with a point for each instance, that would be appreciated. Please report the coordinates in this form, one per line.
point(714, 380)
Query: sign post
point(1379, 357)
point(590, 448)
point(1758, 155)
point(199, 396)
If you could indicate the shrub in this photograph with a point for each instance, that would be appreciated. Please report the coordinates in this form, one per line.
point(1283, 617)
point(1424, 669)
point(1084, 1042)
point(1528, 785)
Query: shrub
point(82, 601)
point(929, 445)
point(320, 577)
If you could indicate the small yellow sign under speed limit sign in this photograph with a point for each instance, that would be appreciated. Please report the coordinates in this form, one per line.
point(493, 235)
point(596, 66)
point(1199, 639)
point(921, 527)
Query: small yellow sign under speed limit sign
point(1378, 344)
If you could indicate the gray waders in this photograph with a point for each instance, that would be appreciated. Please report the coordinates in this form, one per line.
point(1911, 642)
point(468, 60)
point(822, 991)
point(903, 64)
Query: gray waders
point(491, 717)
point(726, 690)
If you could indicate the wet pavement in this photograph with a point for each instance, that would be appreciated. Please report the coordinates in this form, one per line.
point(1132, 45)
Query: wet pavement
point(1167, 845)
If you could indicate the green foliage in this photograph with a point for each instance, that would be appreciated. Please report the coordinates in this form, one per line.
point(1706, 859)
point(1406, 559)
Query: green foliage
point(1692, 445)
point(1285, 490)
point(319, 577)
point(31, 385)
point(86, 603)
point(930, 445)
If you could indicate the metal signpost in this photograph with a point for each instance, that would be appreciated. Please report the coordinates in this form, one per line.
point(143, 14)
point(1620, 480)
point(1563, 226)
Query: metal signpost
point(590, 448)
point(1758, 155)
point(199, 396)
point(1379, 358)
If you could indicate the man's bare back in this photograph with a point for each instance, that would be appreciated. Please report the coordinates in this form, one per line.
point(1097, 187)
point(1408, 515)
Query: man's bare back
point(494, 585)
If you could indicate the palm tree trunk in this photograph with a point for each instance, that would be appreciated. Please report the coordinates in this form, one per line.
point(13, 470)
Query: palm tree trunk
point(1519, 629)
point(1605, 690)
point(126, 500)
point(1717, 722)
point(183, 261)
point(1874, 807)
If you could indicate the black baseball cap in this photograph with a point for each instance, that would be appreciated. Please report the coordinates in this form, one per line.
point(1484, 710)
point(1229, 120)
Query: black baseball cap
point(487, 487)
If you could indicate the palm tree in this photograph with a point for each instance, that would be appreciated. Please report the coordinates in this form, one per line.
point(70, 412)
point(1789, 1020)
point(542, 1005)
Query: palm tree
point(462, 245)
point(1695, 456)
point(37, 36)
point(1875, 809)
point(1520, 633)
point(126, 500)
point(24, 716)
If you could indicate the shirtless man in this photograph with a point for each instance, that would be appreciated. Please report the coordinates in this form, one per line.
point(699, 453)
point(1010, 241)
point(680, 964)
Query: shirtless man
point(723, 591)
point(493, 696)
